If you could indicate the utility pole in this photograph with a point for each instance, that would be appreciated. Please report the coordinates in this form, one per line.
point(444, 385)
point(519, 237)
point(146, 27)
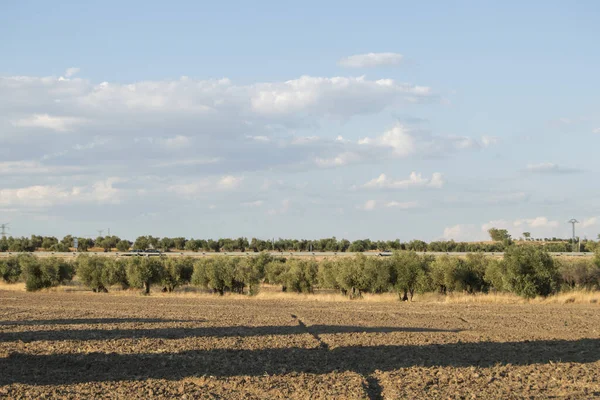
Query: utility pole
point(100, 232)
point(573, 221)
point(108, 231)
point(3, 229)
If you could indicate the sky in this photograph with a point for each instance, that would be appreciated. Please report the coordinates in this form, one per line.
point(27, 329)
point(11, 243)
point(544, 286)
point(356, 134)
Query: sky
point(383, 120)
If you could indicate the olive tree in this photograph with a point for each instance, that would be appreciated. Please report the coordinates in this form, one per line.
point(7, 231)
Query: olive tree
point(142, 272)
point(530, 271)
point(410, 270)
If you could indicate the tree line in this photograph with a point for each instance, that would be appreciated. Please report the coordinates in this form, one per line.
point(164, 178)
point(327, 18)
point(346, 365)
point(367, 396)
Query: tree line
point(527, 271)
point(108, 243)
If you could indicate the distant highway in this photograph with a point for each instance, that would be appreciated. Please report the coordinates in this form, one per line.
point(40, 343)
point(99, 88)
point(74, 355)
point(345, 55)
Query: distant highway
point(273, 253)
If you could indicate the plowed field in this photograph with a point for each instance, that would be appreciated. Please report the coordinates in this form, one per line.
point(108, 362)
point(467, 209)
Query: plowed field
point(74, 345)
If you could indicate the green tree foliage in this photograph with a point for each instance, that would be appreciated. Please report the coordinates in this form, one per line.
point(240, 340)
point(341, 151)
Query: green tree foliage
point(10, 269)
point(178, 271)
point(214, 273)
point(498, 235)
point(99, 273)
point(579, 273)
point(142, 272)
point(530, 271)
point(45, 273)
point(123, 245)
point(495, 274)
point(410, 271)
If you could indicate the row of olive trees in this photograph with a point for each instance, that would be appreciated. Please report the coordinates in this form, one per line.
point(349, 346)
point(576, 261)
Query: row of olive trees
point(526, 271)
point(37, 273)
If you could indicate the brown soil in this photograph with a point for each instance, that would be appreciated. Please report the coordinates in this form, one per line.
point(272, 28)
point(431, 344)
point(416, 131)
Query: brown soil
point(74, 345)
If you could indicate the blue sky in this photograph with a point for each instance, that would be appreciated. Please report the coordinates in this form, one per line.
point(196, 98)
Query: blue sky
point(389, 120)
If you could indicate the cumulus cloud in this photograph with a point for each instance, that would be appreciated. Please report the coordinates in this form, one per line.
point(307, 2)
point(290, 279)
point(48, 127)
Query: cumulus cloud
point(71, 72)
point(588, 222)
point(403, 141)
point(230, 182)
point(335, 97)
point(338, 160)
point(45, 121)
point(414, 180)
point(206, 185)
point(538, 226)
point(50, 195)
point(399, 139)
point(463, 233)
point(369, 205)
point(402, 204)
point(371, 60)
point(488, 141)
point(176, 142)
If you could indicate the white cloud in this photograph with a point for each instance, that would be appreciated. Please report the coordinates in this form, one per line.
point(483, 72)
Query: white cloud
point(398, 139)
point(336, 97)
point(175, 142)
point(588, 222)
point(305, 139)
point(549, 168)
point(55, 123)
point(488, 141)
point(337, 161)
point(257, 203)
point(371, 60)
point(259, 138)
point(539, 226)
point(597, 130)
point(538, 222)
point(199, 187)
point(402, 205)
point(463, 233)
point(189, 162)
point(284, 208)
point(35, 168)
point(230, 182)
point(414, 180)
point(71, 72)
point(50, 195)
point(369, 205)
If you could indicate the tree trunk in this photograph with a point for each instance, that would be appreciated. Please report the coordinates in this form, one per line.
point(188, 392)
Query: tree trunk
point(404, 295)
point(147, 287)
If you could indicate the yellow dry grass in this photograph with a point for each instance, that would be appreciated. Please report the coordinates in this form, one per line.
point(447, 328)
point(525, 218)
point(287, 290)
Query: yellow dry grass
point(270, 292)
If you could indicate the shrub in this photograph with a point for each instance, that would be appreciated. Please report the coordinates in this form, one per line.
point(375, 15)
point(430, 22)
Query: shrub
point(10, 270)
point(45, 273)
point(530, 271)
point(579, 273)
point(495, 274)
